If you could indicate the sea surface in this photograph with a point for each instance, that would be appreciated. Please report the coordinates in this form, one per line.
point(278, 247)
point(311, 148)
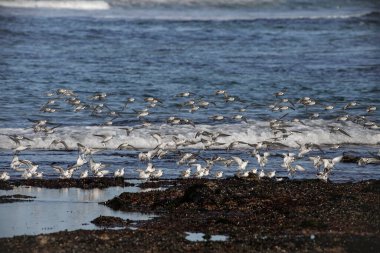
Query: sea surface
point(325, 50)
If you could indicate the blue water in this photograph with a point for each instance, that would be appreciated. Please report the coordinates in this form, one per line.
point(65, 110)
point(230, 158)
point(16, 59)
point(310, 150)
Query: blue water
point(326, 50)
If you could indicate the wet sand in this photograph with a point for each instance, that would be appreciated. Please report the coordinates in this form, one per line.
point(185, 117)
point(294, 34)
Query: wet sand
point(255, 216)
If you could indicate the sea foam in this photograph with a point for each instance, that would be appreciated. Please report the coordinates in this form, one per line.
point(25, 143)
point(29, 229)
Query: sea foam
point(73, 5)
point(314, 131)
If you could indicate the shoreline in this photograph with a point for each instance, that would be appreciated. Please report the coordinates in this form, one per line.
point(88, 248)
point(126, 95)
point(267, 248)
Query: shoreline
point(254, 216)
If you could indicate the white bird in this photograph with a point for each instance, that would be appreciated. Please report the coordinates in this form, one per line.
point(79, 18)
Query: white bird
point(254, 170)
point(143, 174)
point(101, 173)
point(271, 174)
point(32, 168)
point(156, 174)
point(329, 164)
point(317, 161)
point(150, 168)
point(15, 163)
point(64, 173)
point(80, 161)
point(38, 174)
point(262, 160)
point(27, 174)
point(119, 173)
point(21, 148)
point(242, 174)
point(288, 160)
point(95, 167)
point(219, 174)
point(4, 176)
point(186, 173)
point(84, 174)
point(261, 174)
point(106, 138)
point(242, 163)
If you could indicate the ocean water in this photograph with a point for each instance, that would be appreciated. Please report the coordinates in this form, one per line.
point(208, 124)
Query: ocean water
point(326, 50)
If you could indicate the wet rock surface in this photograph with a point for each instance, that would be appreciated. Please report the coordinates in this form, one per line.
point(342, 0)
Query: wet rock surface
point(110, 222)
point(257, 216)
point(15, 198)
point(85, 183)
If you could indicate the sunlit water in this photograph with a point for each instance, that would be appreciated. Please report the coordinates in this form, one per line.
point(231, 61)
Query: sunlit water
point(59, 209)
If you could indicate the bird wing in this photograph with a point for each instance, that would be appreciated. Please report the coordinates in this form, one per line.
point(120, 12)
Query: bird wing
point(344, 132)
point(337, 159)
point(238, 160)
point(58, 169)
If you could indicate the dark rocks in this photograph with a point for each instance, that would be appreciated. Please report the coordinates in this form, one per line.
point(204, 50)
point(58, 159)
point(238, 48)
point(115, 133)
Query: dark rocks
point(110, 222)
point(15, 198)
point(257, 216)
point(86, 183)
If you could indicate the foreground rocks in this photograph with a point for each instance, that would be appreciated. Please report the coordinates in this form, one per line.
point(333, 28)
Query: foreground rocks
point(15, 198)
point(257, 216)
point(110, 222)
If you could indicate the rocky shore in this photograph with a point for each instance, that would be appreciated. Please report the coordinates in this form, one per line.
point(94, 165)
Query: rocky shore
point(254, 215)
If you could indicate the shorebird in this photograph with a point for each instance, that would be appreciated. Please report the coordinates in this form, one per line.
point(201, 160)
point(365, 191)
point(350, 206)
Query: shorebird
point(4, 176)
point(148, 155)
point(101, 173)
point(125, 145)
point(142, 174)
point(271, 174)
point(288, 160)
point(59, 141)
point(119, 173)
point(317, 161)
point(219, 174)
point(184, 94)
point(16, 138)
point(242, 174)
point(27, 174)
point(335, 129)
point(254, 170)
point(156, 174)
point(350, 105)
point(64, 173)
point(371, 109)
point(99, 96)
point(84, 174)
point(262, 160)
point(186, 173)
point(242, 163)
point(368, 160)
point(106, 138)
point(328, 165)
point(80, 161)
point(95, 167)
point(20, 148)
point(294, 169)
point(15, 163)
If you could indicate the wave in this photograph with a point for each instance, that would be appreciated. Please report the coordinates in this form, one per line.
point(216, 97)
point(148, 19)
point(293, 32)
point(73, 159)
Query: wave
point(194, 3)
point(72, 5)
point(314, 131)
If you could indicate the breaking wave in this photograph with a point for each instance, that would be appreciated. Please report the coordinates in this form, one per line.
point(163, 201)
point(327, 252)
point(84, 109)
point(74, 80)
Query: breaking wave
point(72, 5)
point(314, 131)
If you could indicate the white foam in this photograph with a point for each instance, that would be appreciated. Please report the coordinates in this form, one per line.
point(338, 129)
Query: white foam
point(73, 5)
point(315, 131)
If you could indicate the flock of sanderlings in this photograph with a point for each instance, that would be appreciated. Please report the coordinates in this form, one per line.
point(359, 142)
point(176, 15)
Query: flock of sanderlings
point(87, 165)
